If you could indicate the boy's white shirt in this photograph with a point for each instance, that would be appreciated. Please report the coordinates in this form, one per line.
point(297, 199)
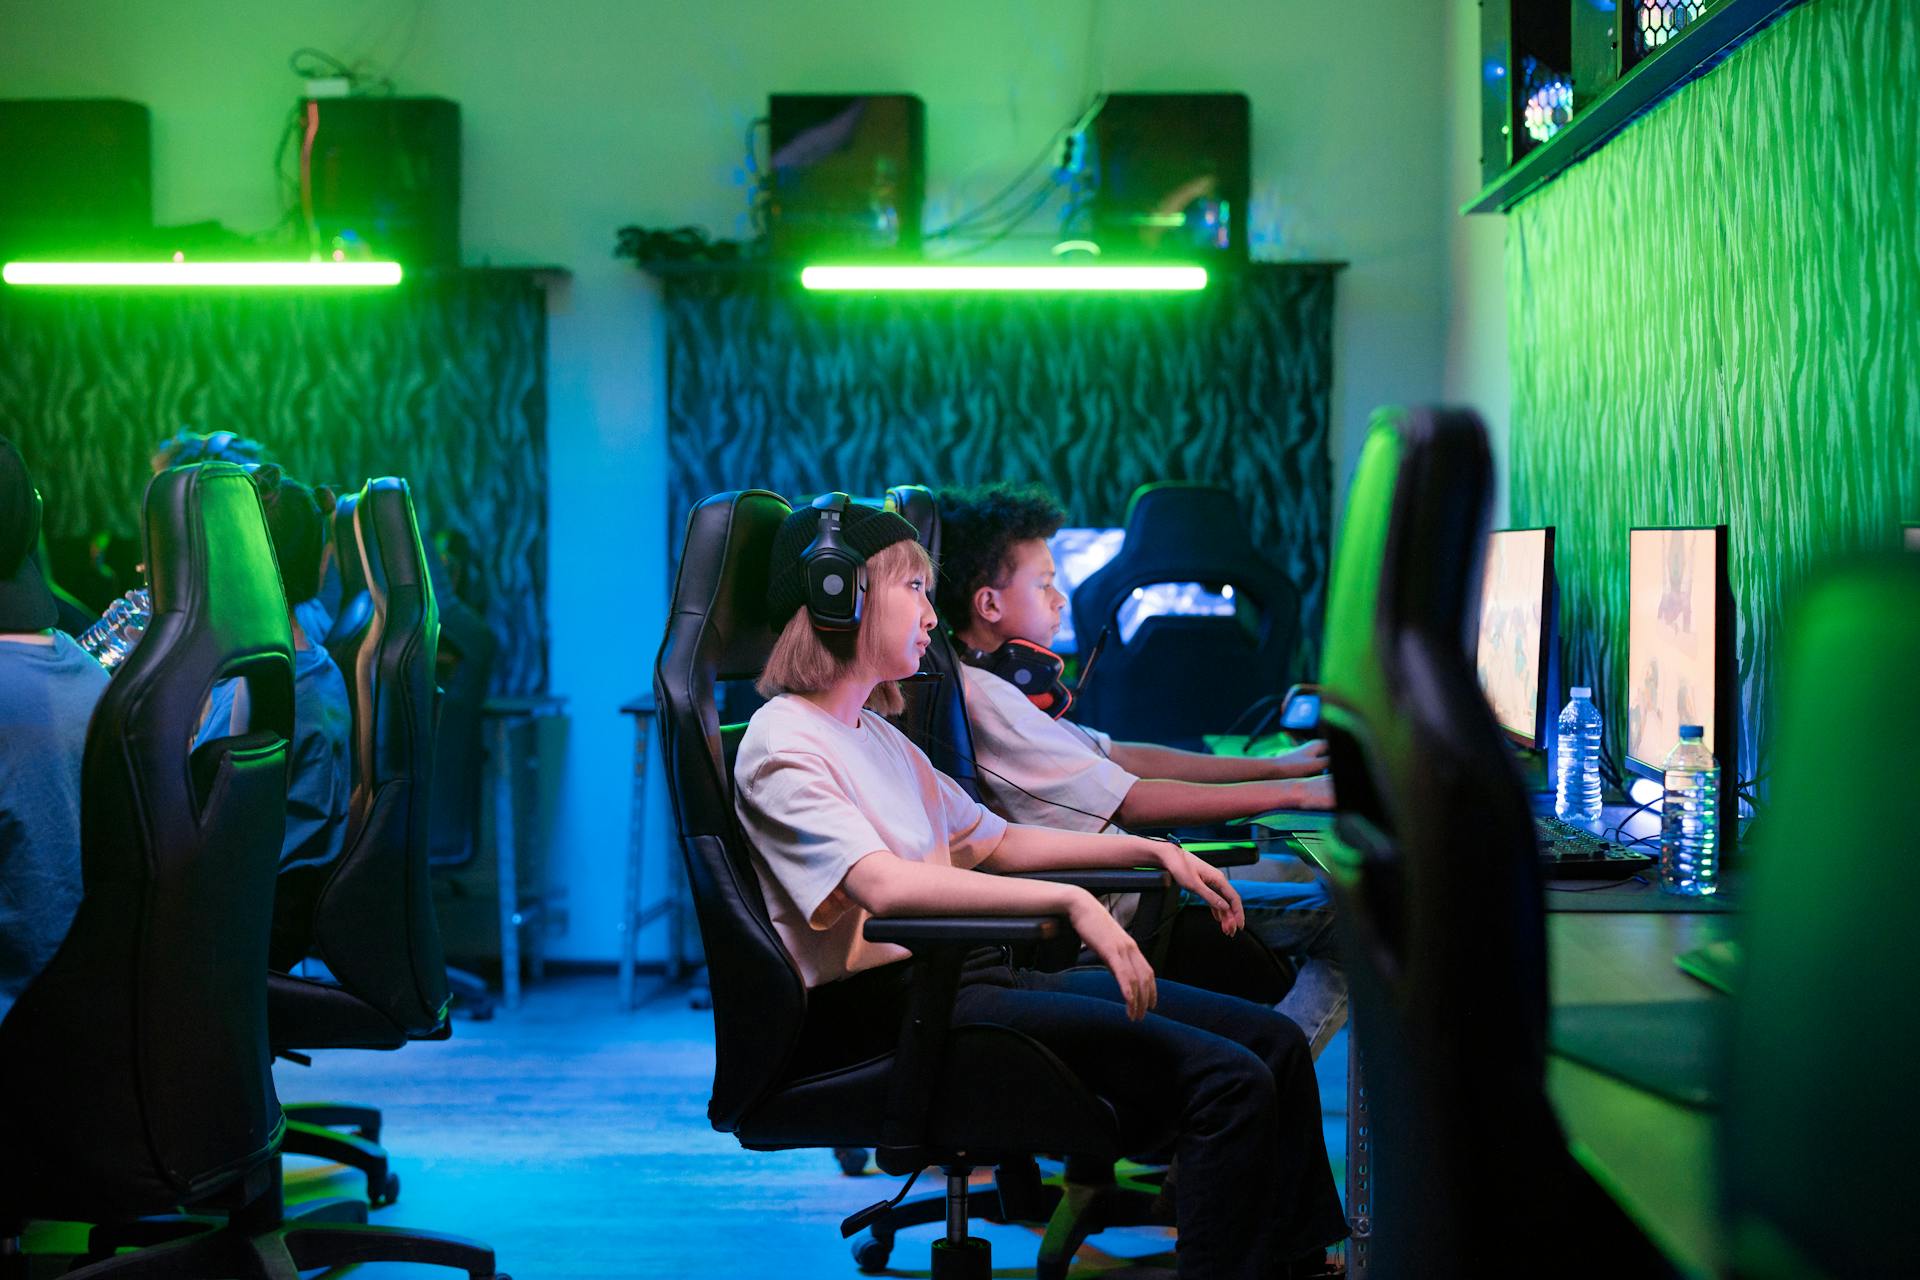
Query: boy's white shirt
point(1044, 772)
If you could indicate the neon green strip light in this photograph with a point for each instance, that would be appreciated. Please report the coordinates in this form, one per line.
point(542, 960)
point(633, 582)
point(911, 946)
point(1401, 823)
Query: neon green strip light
point(167, 275)
point(1045, 279)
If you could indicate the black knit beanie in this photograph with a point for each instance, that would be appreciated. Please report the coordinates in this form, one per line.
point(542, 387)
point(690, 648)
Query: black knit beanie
point(865, 530)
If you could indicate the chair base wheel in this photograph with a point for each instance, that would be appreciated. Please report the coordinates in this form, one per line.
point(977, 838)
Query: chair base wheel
point(870, 1252)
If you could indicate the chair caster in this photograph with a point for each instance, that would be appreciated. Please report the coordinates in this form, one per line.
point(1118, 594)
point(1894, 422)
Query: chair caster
point(871, 1251)
point(853, 1160)
point(388, 1193)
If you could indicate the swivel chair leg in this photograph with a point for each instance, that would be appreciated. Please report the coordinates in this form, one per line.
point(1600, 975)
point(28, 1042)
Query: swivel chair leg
point(107, 1239)
point(363, 1120)
point(368, 1156)
point(257, 1242)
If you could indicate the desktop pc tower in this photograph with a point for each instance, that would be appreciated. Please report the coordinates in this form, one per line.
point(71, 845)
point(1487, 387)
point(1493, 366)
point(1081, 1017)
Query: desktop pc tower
point(76, 178)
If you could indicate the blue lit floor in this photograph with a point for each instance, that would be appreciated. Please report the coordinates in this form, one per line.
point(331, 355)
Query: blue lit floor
point(573, 1138)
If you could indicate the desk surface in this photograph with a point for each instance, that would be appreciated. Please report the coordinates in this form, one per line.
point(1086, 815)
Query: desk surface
point(1653, 1156)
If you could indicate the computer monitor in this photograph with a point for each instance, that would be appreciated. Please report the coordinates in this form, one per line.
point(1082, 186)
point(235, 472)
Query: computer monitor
point(1680, 625)
point(1077, 553)
point(1518, 645)
point(1910, 536)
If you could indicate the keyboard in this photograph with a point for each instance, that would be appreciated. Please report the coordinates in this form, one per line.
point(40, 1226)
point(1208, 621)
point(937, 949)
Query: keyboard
point(1568, 852)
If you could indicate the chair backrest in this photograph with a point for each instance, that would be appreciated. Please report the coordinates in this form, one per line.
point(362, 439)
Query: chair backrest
point(1180, 677)
point(718, 630)
point(373, 921)
point(1820, 1126)
point(1440, 896)
point(355, 612)
point(470, 645)
point(935, 717)
point(134, 1071)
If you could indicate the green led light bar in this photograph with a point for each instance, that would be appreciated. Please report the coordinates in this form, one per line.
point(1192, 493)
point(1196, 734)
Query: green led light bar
point(1053, 278)
point(167, 275)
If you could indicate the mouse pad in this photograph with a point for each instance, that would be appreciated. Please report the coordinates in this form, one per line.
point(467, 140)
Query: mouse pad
point(1670, 1048)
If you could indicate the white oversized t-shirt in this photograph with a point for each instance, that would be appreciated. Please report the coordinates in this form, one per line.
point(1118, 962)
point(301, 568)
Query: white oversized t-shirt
point(816, 796)
point(1038, 770)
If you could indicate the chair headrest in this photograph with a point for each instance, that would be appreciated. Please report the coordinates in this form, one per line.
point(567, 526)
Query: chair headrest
point(722, 581)
point(1180, 532)
point(916, 504)
point(1405, 577)
point(217, 601)
point(353, 579)
point(392, 558)
point(1191, 531)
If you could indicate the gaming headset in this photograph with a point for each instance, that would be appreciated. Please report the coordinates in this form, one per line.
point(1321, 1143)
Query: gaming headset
point(836, 575)
point(1032, 669)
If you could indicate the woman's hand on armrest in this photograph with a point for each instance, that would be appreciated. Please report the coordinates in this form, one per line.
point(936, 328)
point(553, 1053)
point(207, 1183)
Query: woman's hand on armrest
point(888, 885)
point(1206, 882)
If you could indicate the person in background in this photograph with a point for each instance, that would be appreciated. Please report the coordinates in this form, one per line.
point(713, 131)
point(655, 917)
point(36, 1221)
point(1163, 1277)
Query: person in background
point(1036, 766)
point(320, 778)
point(48, 689)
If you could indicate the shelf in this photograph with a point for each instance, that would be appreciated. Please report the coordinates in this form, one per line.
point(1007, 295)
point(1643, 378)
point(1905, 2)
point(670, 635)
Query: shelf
point(1696, 51)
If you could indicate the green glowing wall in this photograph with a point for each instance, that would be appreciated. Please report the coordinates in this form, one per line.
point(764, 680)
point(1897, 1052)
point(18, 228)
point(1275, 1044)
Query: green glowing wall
point(1717, 319)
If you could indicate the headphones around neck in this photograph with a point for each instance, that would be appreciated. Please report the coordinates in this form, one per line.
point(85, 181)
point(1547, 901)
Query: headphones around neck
point(836, 575)
point(1032, 669)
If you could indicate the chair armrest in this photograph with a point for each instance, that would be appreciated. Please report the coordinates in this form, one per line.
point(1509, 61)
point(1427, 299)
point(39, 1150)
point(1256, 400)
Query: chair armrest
point(940, 944)
point(1226, 853)
point(1103, 879)
point(967, 931)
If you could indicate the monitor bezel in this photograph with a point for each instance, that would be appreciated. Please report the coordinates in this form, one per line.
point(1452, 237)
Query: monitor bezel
point(1548, 661)
point(1725, 688)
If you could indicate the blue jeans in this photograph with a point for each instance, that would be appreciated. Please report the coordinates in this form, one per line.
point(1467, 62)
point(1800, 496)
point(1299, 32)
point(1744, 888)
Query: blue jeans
point(1295, 919)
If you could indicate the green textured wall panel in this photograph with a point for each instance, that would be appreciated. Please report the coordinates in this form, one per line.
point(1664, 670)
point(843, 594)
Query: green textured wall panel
point(1717, 319)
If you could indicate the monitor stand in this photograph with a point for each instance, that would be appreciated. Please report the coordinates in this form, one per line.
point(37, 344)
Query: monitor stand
point(1536, 775)
point(1536, 772)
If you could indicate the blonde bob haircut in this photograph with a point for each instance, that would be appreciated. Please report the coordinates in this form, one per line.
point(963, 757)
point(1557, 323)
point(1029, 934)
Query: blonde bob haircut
point(806, 661)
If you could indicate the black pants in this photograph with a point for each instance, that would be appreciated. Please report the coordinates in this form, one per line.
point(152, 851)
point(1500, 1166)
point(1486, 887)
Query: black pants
point(1234, 1080)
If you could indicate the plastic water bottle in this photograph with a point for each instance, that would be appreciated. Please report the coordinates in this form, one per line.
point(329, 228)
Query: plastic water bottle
point(1690, 818)
point(111, 639)
point(1576, 797)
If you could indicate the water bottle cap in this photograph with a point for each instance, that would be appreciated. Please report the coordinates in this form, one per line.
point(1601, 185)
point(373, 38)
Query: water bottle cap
point(1582, 691)
point(1691, 733)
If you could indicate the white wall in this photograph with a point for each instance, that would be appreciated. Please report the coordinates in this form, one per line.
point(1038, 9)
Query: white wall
point(582, 115)
point(1477, 370)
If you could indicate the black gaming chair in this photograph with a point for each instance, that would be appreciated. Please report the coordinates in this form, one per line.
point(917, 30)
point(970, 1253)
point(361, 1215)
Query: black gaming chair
point(135, 1071)
point(1178, 678)
point(368, 916)
point(955, 1096)
point(1440, 896)
point(1817, 1138)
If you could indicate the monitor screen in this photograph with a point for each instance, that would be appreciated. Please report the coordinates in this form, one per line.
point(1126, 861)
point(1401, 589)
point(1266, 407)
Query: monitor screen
point(1673, 640)
point(1911, 535)
point(1513, 630)
point(1077, 553)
